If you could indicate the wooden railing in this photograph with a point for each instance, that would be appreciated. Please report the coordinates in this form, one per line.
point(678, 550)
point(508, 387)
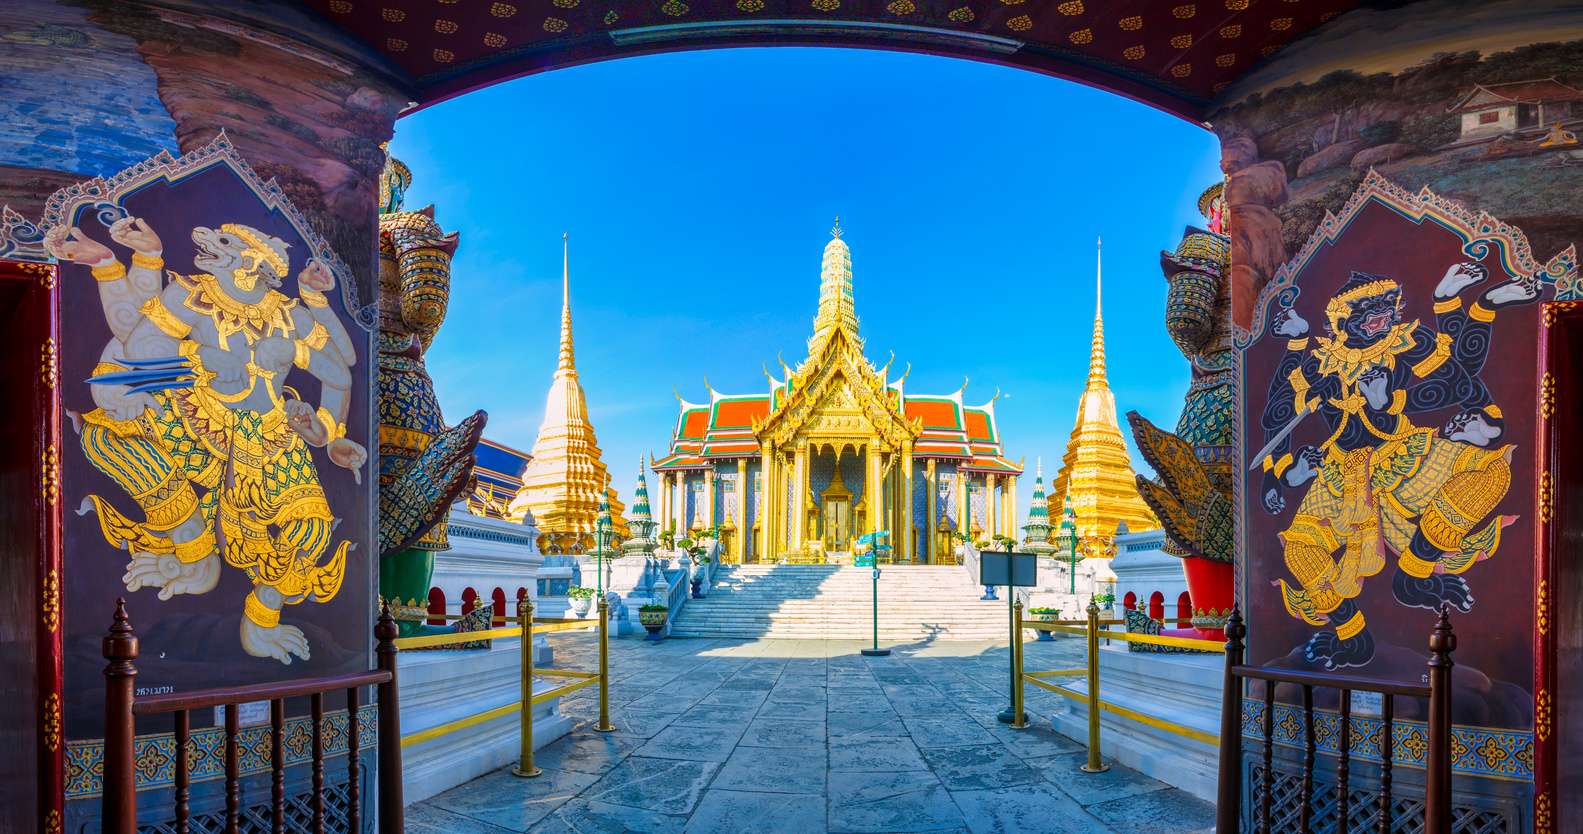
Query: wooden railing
point(1437, 785)
point(119, 803)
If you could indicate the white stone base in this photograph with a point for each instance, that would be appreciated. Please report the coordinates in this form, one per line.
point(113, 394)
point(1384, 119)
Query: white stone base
point(440, 687)
point(1179, 689)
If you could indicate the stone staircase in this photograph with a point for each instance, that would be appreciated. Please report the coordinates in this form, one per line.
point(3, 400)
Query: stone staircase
point(916, 602)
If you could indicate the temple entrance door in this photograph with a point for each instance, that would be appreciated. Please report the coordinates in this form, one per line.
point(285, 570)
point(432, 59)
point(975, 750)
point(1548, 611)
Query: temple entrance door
point(835, 514)
point(1561, 576)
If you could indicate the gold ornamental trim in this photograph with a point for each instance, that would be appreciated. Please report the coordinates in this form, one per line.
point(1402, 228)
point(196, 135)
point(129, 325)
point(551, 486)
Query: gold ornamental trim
point(49, 606)
point(153, 262)
point(52, 722)
point(109, 272)
point(50, 364)
point(1350, 628)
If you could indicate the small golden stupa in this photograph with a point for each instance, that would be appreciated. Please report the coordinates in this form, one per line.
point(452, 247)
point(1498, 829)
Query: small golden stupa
point(1096, 472)
point(561, 485)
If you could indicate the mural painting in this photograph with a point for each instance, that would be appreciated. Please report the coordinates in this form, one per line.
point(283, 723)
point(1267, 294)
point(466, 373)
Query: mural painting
point(216, 466)
point(1390, 447)
point(1482, 102)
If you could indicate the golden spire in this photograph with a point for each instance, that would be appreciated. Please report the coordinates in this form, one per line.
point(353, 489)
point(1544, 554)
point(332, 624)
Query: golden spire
point(1096, 472)
point(565, 479)
point(835, 289)
point(568, 360)
point(1096, 350)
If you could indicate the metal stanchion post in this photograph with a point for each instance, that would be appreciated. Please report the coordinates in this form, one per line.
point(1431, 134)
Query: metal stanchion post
point(1016, 669)
point(1094, 765)
point(604, 667)
point(525, 766)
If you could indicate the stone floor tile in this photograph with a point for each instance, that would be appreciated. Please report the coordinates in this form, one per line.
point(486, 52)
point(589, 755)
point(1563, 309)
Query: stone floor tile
point(784, 732)
point(876, 755)
point(1025, 809)
point(774, 770)
point(796, 710)
point(424, 818)
point(587, 752)
point(979, 767)
point(714, 715)
point(857, 702)
point(945, 732)
point(666, 786)
point(514, 802)
point(1035, 740)
point(1091, 788)
point(853, 727)
point(704, 744)
point(797, 692)
point(750, 683)
point(890, 803)
point(736, 812)
point(581, 816)
point(1168, 811)
point(736, 697)
point(638, 723)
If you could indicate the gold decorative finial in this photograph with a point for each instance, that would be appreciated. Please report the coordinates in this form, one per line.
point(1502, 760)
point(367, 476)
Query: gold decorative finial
point(836, 232)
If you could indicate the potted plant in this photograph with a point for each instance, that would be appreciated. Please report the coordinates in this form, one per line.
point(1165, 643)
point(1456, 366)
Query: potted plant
point(695, 575)
point(668, 537)
point(1105, 600)
point(652, 616)
point(582, 599)
point(1045, 615)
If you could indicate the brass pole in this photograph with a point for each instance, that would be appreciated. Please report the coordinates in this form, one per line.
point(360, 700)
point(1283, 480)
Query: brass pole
point(1020, 720)
point(525, 766)
point(604, 667)
point(1094, 765)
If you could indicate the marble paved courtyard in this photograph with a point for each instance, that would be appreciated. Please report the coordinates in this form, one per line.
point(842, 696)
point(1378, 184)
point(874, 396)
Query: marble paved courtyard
point(807, 737)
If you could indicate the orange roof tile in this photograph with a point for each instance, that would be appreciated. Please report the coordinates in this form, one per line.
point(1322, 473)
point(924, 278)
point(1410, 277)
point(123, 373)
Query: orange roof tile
point(934, 413)
point(695, 424)
point(978, 426)
point(733, 413)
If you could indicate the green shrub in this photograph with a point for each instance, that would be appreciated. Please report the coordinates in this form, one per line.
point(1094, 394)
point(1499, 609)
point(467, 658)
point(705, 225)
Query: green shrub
point(579, 592)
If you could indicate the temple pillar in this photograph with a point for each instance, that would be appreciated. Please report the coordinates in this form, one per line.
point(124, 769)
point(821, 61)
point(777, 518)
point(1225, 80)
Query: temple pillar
point(744, 529)
point(873, 492)
point(665, 499)
point(799, 497)
point(1011, 505)
point(964, 497)
point(679, 504)
point(709, 499)
point(991, 517)
point(933, 480)
point(904, 539)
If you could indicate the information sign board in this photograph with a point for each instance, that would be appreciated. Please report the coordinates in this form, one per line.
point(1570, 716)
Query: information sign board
point(1001, 568)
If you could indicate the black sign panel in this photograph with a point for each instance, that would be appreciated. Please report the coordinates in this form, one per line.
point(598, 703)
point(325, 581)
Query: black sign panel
point(1000, 568)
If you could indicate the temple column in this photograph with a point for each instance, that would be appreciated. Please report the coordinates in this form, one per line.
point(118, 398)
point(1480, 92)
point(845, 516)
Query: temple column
point(873, 493)
point(964, 502)
point(744, 529)
point(1011, 505)
point(902, 541)
point(769, 543)
point(665, 498)
point(709, 499)
point(930, 510)
point(799, 497)
point(991, 509)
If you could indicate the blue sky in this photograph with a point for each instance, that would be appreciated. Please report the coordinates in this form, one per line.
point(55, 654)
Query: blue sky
point(699, 189)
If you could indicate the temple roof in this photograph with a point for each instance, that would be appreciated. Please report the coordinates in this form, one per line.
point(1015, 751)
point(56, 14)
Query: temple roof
point(1167, 53)
point(939, 425)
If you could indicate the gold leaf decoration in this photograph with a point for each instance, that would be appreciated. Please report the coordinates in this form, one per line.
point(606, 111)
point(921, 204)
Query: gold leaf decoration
point(1020, 24)
point(1181, 41)
point(567, 4)
point(962, 15)
point(1082, 36)
point(1182, 70)
point(1130, 23)
point(1132, 53)
point(1236, 5)
point(395, 44)
point(502, 10)
point(826, 5)
point(393, 15)
point(1269, 50)
point(49, 484)
point(1225, 60)
point(1071, 8)
point(50, 606)
point(49, 369)
point(900, 7)
point(554, 24)
point(1230, 31)
point(52, 722)
point(674, 8)
point(492, 39)
point(1184, 12)
point(340, 6)
point(444, 56)
point(445, 27)
point(1221, 85)
point(750, 6)
point(1281, 23)
point(611, 17)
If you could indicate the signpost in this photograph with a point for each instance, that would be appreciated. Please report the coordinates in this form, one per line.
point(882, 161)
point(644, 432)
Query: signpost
point(1014, 570)
point(866, 560)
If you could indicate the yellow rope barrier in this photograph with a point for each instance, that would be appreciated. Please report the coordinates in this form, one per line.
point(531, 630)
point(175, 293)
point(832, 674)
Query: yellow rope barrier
point(565, 673)
point(562, 690)
point(424, 641)
point(459, 724)
point(549, 627)
point(1057, 673)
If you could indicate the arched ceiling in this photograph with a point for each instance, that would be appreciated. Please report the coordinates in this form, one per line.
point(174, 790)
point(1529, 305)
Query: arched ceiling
point(1172, 54)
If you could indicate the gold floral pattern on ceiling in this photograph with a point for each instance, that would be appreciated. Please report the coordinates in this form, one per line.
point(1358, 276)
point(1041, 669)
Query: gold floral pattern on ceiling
point(440, 41)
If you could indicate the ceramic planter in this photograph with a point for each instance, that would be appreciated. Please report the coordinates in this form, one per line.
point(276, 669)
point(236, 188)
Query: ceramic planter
point(580, 606)
point(1046, 617)
point(653, 621)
